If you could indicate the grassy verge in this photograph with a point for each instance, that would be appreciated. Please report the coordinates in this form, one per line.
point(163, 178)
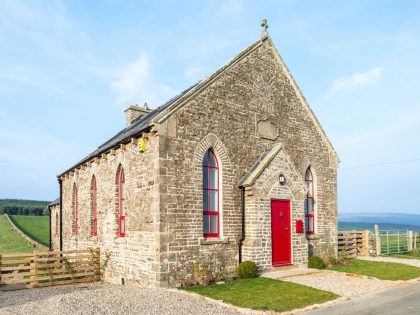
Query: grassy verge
point(265, 294)
point(380, 270)
point(10, 241)
point(35, 227)
point(406, 256)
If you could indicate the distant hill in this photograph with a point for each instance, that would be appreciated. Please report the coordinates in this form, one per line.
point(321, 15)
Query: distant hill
point(23, 207)
point(391, 218)
point(345, 226)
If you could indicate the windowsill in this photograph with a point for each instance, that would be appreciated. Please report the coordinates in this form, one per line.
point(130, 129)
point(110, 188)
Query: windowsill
point(120, 240)
point(213, 240)
point(312, 237)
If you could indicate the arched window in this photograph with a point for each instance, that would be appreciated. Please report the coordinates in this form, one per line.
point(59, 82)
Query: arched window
point(93, 216)
point(310, 202)
point(75, 206)
point(121, 202)
point(210, 195)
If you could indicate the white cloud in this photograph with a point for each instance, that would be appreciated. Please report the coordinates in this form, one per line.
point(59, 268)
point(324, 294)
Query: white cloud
point(357, 80)
point(136, 84)
point(193, 71)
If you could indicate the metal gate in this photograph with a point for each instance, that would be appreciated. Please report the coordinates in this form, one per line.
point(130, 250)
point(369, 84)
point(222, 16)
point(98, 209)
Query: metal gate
point(394, 241)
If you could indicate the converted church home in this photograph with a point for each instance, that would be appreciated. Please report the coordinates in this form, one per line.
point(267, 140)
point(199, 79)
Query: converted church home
point(236, 167)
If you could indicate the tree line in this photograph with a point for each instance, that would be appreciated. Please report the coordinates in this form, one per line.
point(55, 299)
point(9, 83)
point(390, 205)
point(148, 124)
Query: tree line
point(23, 207)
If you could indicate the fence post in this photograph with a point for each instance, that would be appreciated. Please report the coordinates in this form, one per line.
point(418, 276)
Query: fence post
point(377, 240)
point(365, 242)
point(415, 240)
point(0, 269)
point(410, 241)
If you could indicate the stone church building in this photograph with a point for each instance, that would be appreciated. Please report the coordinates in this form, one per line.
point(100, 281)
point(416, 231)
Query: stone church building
point(236, 167)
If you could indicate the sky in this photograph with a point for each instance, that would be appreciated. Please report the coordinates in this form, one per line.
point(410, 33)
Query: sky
point(68, 69)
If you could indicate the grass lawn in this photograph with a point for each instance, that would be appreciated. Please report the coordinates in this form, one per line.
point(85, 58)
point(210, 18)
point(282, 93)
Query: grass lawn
point(36, 227)
point(380, 270)
point(10, 241)
point(265, 294)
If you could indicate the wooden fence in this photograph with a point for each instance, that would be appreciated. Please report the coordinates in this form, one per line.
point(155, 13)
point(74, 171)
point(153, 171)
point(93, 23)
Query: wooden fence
point(41, 269)
point(353, 243)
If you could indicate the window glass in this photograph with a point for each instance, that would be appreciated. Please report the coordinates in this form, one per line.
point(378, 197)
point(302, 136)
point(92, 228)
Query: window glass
point(213, 200)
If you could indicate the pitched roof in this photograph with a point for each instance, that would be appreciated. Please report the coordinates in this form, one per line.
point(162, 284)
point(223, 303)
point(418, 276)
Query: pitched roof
point(55, 202)
point(144, 123)
point(138, 125)
point(259, 166)
point(164, 111)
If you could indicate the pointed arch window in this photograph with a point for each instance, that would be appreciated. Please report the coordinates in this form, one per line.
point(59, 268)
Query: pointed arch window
point(94, 219)
point(75, 206)
point(211, 195)
point(121, 203)
point(310, 202)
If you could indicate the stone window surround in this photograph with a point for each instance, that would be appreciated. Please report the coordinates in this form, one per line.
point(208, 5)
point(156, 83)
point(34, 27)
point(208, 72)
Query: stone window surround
point(211, 141)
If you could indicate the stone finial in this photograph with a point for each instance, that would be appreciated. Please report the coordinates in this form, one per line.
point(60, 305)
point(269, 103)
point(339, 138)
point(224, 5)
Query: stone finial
point(264, 26)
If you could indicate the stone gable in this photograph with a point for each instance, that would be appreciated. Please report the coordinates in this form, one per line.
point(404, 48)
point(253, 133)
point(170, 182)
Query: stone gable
point(247, 107)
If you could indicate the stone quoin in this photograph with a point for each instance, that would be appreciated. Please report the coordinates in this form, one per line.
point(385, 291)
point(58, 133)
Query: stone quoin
point(209, 155)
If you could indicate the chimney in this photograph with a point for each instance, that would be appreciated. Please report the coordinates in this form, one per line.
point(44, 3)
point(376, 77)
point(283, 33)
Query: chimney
point(134, 111)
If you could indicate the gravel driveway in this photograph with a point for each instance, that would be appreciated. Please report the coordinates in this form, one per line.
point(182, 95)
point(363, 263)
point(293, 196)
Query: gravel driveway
point(339, 283)
point(405, 261)
point(101, 298)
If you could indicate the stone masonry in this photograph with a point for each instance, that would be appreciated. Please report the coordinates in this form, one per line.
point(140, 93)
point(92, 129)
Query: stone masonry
point(248, 106)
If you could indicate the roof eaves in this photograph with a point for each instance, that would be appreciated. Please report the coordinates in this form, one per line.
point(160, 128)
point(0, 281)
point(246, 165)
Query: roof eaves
point(260, 165)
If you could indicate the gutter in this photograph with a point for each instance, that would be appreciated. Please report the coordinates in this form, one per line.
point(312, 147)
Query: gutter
point(241, 240)
point(60, 182)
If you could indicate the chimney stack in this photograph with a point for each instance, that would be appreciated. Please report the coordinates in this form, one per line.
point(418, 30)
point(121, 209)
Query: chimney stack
point(134, 111)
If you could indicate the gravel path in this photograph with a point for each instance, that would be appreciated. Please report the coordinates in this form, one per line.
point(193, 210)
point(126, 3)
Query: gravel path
point(341, 283)
point(405, 261)
point(103, 298)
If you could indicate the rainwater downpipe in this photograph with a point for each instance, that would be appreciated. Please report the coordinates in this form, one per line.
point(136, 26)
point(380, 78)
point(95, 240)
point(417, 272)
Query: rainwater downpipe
point(60, 182)
point(49, 210)
point(241, 240)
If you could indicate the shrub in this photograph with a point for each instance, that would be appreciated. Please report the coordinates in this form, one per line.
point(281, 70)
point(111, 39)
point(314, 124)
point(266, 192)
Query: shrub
point(316, 262)
point(247, 269)
point(415, 252)
point(331, 260)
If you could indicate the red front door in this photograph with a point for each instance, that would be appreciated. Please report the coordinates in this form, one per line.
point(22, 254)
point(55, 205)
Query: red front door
point(280, 232)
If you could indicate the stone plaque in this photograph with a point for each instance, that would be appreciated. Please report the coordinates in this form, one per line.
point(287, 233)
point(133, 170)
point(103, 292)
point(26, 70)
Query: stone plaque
point(267, 130)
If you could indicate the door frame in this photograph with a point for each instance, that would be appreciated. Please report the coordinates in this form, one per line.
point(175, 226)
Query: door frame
point(290, 231)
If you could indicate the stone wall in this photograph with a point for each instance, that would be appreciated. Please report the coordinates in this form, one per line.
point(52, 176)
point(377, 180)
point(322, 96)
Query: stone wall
point(246, 109)
point(252, 105)
point(133, 257)
point(55, 227)
point(257, 245)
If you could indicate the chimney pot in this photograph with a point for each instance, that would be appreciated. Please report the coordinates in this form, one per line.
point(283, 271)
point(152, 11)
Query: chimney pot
point(134, 111)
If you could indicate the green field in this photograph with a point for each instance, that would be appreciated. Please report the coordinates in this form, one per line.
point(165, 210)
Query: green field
point(10, 241)
point(36, 227)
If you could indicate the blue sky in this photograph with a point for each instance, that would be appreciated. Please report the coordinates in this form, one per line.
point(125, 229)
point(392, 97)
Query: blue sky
point(69, 68)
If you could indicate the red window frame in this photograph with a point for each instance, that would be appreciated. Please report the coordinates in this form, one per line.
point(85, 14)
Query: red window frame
point(94, 208)
point(75, 210)
point(207, 190)
point(309, 180)
point(121, 221)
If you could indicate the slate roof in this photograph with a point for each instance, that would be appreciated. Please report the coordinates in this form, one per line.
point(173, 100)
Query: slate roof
point(55, 202)
point(259, 166)
point(133, 130)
